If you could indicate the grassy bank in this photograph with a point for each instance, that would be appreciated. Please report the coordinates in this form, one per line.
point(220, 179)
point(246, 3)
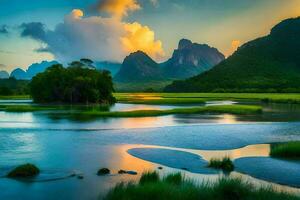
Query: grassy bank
point(15, 97)
point(194, 97)
point(230, 109)
point(176, 187)
point(289, 150)
point(66, 108)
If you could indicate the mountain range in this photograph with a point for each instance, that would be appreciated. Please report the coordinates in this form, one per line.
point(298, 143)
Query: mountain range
point(267, 64)
point(188, 60)
point(32, 70)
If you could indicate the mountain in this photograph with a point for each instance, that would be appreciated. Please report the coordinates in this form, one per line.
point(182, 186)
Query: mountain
point(267, 64)
point(19, 74)
point(138, 67)
point(32, 70)
point(191, 59)
point(4, 74)
point(36, 68)
point(113, 67)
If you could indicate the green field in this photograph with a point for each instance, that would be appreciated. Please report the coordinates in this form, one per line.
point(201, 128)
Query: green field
point(161, 98)
point(191, 98)
point(230, 109)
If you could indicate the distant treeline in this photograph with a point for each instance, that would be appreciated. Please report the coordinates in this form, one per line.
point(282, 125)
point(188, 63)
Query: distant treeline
point(11, 86)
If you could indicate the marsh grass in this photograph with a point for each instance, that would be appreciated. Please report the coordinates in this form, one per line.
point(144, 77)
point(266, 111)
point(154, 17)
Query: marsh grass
point(176, 187)
point(58, 107)
point(225, 164)
point(289, 150)
point(230, 109)
point(190, 97)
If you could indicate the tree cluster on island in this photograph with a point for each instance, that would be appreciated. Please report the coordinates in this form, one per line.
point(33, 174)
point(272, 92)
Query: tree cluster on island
point(77, 83)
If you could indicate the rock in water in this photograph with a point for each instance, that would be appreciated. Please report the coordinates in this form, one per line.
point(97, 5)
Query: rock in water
point(24, 171)
point(103, 171)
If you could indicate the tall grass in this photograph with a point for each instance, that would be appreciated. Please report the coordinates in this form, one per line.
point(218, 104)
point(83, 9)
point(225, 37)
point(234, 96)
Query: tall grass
point(289, 150)
point(225, 164)
point(175, 187)
point(230, 109)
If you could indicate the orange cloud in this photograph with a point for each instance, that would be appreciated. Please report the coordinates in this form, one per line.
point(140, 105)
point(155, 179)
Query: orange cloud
point(235, 44)
point(118, 8)
point(140, 37)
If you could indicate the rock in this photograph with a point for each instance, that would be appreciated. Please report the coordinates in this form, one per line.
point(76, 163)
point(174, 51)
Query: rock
point(24, 171)
point(132, 172)
point(160, 168)
point(122, 171)
point(80, 176)
point(184, 168)
point(103, 171)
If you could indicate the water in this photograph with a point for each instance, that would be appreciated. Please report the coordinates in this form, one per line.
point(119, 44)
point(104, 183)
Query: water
point(57, 144)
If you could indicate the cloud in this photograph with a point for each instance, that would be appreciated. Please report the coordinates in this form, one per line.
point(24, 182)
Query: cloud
point(235, 44)
point(35, 30)
point(155, 3)
point(95, 37)
point(118, 8)
point(3, 29)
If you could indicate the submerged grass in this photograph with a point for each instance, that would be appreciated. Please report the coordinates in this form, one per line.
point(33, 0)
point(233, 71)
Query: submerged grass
point(289, 150)
point(176, 187)
point(225, 164)
point(230, 109)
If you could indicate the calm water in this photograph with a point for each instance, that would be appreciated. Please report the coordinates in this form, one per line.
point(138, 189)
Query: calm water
point(58, 144)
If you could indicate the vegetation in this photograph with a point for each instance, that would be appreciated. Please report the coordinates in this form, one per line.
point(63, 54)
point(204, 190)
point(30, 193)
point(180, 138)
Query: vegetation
point(74, 84)
point(11, 86)
point(289, 150)
point(176, 187)
point(231, 109)
point(65, 108)
point(268, 64)
point(23, 171)
point(225, 164)
point(202, 97)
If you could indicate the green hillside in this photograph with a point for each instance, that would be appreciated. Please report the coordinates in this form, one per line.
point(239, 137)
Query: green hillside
point(267, 64)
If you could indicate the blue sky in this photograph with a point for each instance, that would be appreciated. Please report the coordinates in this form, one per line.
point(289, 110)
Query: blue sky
point(216, 22)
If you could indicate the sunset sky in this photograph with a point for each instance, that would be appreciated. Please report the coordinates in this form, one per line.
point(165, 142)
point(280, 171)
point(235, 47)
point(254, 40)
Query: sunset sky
point(65, 30)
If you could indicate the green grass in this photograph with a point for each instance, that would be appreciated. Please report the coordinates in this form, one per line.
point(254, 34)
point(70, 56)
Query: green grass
point(289, 150)
point(15, 97)
point(265, 97)
point(176, 187)
point(225, 164)
point(34, 108)
point(230, 109)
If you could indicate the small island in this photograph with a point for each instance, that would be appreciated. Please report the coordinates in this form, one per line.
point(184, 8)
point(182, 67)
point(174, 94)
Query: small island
point(76, 84)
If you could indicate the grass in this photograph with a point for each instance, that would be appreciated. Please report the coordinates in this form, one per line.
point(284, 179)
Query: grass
point(15, 97)
point(176, 187)
point(289, 150)
point(225, 164)
point(230, 109)
point(33, 108)
point(193, 97)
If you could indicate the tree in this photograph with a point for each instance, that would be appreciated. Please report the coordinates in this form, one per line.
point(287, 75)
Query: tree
point(74, 84)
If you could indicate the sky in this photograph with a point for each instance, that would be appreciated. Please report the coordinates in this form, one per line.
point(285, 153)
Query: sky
point(33, 30)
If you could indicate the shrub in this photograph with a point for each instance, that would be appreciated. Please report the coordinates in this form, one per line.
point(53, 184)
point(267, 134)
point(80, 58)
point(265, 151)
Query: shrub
point(225, 164)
